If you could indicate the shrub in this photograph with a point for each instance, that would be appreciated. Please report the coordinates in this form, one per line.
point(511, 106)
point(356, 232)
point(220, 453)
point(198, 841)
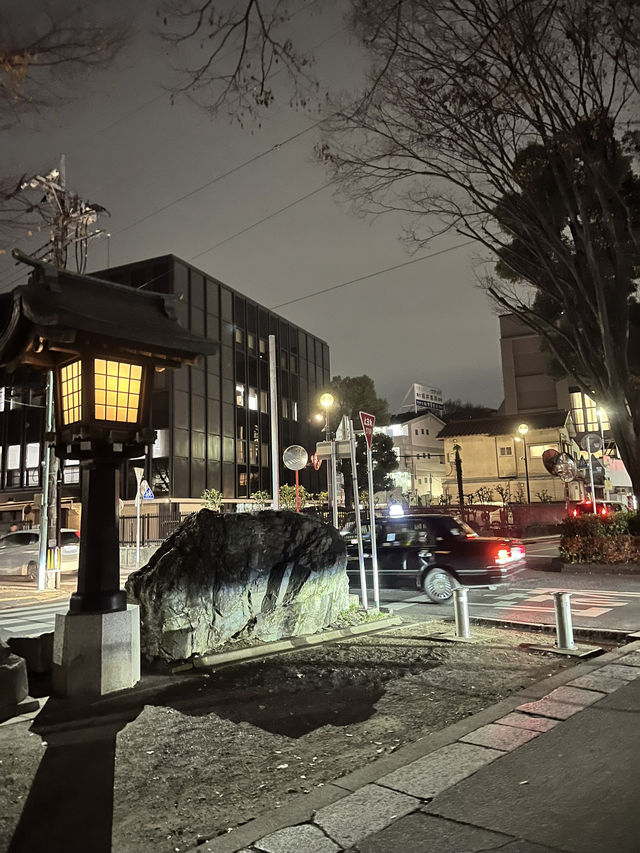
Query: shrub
point(600, 549)
point(634, 523)
point(212, 499)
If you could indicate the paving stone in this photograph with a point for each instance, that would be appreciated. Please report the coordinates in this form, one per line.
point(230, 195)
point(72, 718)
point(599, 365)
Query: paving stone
point(620, 670)
point(362, 813)
point(442, 768)
point(425, 832)
point(596, 681)
point(527, 721)
point(304, 838)
point(496, 736)
point(632, 659)
point(561, 703)
point(523, 846)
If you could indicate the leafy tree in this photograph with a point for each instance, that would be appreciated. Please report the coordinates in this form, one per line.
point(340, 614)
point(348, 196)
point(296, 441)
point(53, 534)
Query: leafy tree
point(354, 394)
point(384, 461)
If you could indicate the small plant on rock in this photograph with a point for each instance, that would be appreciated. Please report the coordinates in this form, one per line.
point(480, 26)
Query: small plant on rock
point(212, 499)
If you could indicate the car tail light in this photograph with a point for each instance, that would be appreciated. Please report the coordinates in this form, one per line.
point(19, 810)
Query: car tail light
point(574, 513)
point(507, 554)
point(604, 511)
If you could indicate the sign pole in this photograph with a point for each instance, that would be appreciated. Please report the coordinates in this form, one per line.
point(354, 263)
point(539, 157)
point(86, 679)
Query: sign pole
point(297, 491)
point(334, 486)
point(273, 414)
point(593, 491)
point(356, 504)
point(368, 422)
point(138, 472)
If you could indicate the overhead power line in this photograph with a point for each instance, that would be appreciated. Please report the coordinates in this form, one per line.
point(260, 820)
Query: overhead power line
point(372, 275)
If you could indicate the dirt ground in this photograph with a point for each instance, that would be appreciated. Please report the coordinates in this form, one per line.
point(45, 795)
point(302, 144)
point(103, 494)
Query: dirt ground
point(219, 748)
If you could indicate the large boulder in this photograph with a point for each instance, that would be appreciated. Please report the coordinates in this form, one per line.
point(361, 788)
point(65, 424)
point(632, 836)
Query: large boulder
point(264, 575)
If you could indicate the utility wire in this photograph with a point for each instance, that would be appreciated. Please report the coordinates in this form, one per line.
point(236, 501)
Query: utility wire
point(372, 275)
point(260, 221)
point(216, 179)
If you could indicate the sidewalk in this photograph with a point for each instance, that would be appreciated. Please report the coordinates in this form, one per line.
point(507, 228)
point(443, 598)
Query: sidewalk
point(554, 768)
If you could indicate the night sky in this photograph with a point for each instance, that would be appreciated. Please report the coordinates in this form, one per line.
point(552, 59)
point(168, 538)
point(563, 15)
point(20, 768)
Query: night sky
point(128, 148)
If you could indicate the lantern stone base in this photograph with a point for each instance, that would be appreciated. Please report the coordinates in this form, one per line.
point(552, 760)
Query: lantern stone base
point(96, 653)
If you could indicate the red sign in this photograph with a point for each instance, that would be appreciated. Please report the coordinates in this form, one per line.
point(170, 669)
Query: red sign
point(368, 423)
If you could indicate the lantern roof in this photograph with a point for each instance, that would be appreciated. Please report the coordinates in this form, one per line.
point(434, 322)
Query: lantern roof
point(58, 313)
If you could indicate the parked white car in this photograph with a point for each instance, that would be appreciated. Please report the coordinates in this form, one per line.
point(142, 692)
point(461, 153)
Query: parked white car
point(19, 551)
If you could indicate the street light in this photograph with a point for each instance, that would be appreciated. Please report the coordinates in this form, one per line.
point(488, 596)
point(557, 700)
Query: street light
point(327, 401)
point(523, 429)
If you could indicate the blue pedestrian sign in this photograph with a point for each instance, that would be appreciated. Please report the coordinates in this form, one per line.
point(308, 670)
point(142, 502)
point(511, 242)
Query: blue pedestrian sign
point(147, 495)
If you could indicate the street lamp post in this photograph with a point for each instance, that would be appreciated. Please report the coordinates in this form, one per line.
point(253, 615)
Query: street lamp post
point(327, 401)
point(523, 429)
point(458, 464)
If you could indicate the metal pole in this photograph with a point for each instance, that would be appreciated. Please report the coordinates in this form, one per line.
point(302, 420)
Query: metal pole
point(593, 491)
point(604, 467)
point(461, 612)
point(297, 491)
point(273, 409)
point(564, 626)
point(372, 528)
point(356, 506)
point(46, 474)
point(139, 473)
point(526, 468)
point(334, 486)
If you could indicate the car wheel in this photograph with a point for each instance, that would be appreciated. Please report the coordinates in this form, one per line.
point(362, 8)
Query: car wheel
point(438, 585)
point(32, 571)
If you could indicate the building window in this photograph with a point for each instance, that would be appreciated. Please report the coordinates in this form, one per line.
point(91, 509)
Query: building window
point(584, 412)
point(239, 395)
point(239, 336)
point(253, 399)
point(264, 451)
point(536, 450)
point(416, 432)
point(251, 342)
point(240, 451)
point(253, 453)
point(262, 346)
point(506, 451)
point(285, 407)
point(426, 432)
point(263, 402)
point(294, 410)
point(71, 470)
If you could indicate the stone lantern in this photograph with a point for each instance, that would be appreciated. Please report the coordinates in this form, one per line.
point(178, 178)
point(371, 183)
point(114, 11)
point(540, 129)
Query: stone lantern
point(103, 342)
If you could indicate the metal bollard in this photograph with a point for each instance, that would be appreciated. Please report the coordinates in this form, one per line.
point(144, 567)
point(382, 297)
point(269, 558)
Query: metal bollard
point(564, 626)
point(461, 612)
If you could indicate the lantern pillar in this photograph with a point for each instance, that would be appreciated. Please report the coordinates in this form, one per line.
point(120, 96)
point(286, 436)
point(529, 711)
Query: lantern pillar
point(99, 562)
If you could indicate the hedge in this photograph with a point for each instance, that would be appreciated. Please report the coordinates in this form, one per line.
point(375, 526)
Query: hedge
point(601, 539)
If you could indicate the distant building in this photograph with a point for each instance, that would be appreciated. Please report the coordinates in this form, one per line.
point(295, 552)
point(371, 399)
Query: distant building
point(421, 468)
point(421, 398)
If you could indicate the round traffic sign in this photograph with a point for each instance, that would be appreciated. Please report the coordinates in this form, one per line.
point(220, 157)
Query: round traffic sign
point(591, 442)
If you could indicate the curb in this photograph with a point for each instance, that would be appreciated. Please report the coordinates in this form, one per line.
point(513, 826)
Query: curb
point(615, 634)
point(302, 808)
point(279, 646)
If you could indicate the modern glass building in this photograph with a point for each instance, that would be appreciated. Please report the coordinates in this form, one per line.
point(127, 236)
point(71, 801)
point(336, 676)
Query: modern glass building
point(212, 420)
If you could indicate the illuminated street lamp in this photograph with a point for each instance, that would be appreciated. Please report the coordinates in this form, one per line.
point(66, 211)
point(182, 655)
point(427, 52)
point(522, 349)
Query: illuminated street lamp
point(327, 401)
point(523, 429)
point(102, 341)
